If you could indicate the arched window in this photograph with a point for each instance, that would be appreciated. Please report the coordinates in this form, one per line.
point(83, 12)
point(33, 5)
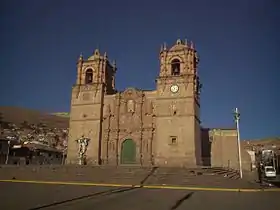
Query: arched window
point(175, 67)
point(89, 76)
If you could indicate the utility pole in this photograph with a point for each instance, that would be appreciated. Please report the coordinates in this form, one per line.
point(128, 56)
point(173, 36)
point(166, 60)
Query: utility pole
point(236, 119)
point(8, 151)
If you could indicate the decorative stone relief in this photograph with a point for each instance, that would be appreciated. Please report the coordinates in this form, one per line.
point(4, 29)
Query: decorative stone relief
point(154, 109)
point(114, 122)
point(114, 109)
point(173, 108)
point(111, 146)
point(87, 87)
point(148, 107)
point(86, 96)
point(106, 136)
point(107, 110)
point(130, 106)
point(122, 108)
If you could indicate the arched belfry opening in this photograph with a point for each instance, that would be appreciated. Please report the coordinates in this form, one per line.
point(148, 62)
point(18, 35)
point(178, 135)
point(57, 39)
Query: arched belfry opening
point(89, 76)
point(175, 67)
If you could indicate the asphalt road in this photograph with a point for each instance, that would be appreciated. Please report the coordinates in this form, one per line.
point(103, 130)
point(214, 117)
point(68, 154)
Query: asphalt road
point(23, 196)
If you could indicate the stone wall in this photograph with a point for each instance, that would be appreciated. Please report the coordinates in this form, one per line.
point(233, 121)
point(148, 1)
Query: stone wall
point(220, 149)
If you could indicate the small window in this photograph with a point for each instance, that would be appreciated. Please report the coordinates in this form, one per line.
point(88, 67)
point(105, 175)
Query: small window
point(173, 140)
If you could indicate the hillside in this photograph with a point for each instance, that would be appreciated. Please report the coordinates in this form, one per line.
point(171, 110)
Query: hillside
point(18, 115)
point(61, 114)
point(263, 142)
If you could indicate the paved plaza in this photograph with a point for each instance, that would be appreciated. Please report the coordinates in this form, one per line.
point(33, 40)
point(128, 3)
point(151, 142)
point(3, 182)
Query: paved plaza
point(22, 196)
point(26, 188)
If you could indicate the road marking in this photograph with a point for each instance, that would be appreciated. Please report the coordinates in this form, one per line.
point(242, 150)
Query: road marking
point(69, 183)
point(145, 186)
point(202, 188)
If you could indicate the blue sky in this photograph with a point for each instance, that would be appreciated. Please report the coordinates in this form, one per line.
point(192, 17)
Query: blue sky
point(238, 43)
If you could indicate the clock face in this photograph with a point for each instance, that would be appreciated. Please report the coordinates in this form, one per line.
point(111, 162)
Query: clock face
point(174, 88)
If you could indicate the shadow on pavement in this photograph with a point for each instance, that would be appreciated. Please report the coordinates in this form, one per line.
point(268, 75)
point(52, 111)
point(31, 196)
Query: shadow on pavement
point(180, 202)
point(275, 183)
point(148, 176)
point(99, 194)
point(103, 193)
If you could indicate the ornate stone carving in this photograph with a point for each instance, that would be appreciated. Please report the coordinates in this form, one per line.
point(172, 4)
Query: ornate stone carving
point(130, 106)
point(132, 93)
point(115, 106)
point(106, 135)
point(86, 96)
point(148, 107)
point(112, 146)
point(154, 109)
point(130, 123)
point(87, 87)
point(107, 111)
point(123, 108)
point(173, 108)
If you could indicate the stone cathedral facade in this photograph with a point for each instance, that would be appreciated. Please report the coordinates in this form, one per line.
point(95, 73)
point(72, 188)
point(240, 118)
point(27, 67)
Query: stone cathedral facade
point(157, 127)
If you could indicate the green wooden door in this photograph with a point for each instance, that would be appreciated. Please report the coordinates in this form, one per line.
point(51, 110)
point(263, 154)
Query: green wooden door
point(128, 152)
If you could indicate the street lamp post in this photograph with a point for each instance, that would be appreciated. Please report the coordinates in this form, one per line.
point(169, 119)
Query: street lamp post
point(236, 119)
point(8, 151)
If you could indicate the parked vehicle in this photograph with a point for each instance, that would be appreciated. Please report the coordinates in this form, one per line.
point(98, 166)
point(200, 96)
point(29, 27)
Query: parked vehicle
point(269, 172)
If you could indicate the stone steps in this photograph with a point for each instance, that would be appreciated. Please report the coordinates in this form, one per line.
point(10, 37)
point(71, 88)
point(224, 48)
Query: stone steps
point(119, 175)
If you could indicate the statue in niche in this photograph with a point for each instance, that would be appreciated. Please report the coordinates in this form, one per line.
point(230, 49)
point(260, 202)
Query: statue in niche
point(107, 110)
point(111, 146)
point(149, 108)
point(173, 108)
point(115, 105)
point(130, 106)
point(122, 107)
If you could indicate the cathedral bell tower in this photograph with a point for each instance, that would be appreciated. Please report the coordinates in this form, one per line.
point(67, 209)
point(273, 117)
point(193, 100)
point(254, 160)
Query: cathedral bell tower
point(95, 79)
point(177, 106)
point(97, 70)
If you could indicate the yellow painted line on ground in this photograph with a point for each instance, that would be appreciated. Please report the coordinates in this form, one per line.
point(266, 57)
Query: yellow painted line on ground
point(69, 183)
point(272, 190)
point(202, 188)
point(144, 186)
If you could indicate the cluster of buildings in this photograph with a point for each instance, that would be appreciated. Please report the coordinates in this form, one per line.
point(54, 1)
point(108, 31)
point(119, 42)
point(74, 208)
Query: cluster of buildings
point(32, 144)
point(264, 152)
